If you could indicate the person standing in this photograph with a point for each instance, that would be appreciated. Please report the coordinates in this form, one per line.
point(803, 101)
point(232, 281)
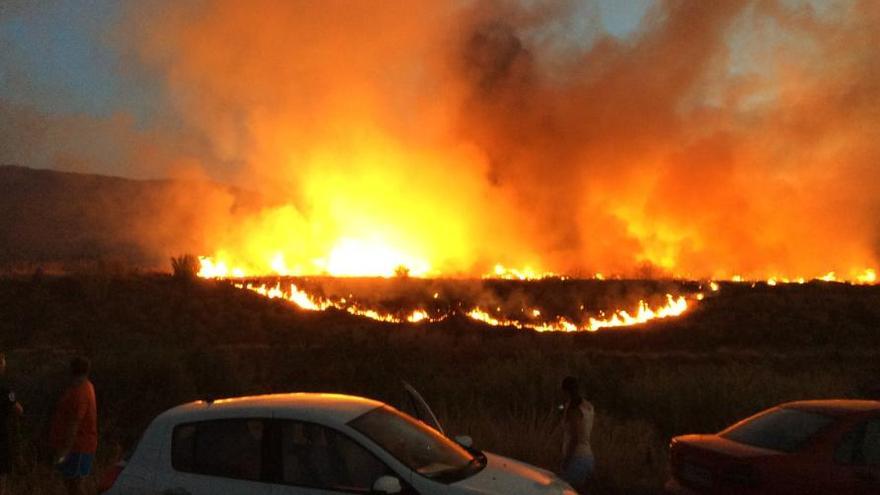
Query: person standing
point(9, 410)
point(577, 425)
point(74, 433)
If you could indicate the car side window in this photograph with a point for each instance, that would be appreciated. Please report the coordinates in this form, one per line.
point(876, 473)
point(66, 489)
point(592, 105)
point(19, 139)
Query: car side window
point(870, 448)
point(319, 457)
point(784, 429)
point(846, 449)
point(226, 448)
point(861, 445)
point(183, 448)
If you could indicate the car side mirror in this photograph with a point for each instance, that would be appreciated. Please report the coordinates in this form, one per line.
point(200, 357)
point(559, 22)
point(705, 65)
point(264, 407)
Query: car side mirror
point(465, 441)
point(388, 485)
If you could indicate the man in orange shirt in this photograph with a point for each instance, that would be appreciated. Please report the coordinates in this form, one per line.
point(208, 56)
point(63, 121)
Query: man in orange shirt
point(74, 434)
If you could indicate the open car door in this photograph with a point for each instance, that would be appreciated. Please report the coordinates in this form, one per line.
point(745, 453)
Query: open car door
point(422, 412)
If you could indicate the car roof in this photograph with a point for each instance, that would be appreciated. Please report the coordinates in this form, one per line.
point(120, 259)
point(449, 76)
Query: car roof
point(835, 407)
point(314, 407)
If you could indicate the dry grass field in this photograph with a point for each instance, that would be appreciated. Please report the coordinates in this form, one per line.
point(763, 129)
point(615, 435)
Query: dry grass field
point(156, 342)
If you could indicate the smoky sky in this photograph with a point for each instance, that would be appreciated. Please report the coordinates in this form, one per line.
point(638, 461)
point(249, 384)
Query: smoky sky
point(711, 139)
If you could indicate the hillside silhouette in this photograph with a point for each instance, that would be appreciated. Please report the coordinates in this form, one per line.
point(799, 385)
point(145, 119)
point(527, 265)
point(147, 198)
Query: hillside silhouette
point(62, 220)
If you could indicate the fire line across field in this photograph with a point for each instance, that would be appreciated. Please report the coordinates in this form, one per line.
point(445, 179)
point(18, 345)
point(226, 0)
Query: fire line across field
point(566, 305)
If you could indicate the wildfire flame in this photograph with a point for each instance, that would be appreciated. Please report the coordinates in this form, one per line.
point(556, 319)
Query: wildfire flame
point(528, 273)
point(347, 260)
point(675, 306)
point(210, 269)
point(309, 302)
point(360, 258)
point(869, 276)
point(356, 258)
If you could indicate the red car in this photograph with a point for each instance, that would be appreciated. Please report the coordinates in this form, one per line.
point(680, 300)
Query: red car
point(823, 446)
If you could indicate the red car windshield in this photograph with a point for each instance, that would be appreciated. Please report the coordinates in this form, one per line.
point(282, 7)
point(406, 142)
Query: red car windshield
point(783, 430)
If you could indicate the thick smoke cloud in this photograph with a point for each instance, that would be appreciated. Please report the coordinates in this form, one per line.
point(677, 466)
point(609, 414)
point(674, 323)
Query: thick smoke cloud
point(725, 137)
point(721, 138)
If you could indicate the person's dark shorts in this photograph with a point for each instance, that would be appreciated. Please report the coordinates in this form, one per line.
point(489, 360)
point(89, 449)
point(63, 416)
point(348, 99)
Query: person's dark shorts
point(76, 465)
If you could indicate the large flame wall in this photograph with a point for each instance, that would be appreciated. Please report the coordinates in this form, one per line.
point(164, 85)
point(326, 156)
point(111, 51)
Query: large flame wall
point(720, 139)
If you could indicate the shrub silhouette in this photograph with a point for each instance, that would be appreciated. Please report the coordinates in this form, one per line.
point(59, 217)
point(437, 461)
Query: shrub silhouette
point(401, 271)
point(185, 267)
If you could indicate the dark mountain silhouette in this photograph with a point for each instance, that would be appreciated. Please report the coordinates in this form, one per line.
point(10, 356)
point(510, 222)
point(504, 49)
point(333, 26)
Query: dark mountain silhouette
point(62, 218)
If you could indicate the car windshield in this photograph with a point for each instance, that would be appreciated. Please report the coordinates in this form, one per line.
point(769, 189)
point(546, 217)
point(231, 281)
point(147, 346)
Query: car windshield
point(784, 430)
point(418, 446)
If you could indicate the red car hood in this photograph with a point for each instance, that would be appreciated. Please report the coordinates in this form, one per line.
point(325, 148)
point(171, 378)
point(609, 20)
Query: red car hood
point(723, 447)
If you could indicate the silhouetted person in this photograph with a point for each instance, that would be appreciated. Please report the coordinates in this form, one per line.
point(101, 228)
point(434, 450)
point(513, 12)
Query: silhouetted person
point(37, 277)
point(74, 434)
point(9, 409)
point(577, 425)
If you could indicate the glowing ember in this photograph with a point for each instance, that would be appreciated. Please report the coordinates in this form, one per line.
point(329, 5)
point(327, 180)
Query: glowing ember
point(528, 273)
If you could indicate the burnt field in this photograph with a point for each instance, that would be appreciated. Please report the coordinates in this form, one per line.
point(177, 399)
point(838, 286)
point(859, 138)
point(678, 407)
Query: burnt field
point(156, 341)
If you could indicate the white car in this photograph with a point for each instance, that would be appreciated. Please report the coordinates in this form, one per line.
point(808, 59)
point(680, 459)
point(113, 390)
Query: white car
point(314, 444)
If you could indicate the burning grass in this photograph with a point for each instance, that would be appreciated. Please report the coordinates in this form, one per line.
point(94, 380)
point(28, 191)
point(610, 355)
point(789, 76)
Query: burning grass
point(482, 305)
point(529, 316)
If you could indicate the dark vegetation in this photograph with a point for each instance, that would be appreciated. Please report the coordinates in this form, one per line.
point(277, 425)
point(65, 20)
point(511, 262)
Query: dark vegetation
point(185, 267)
point(157, 341)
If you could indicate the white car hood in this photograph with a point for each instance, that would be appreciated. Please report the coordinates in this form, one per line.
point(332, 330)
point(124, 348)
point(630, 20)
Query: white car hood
point(503, 476)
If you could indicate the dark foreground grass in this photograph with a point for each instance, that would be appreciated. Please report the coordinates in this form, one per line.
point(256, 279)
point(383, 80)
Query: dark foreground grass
point(156, 343)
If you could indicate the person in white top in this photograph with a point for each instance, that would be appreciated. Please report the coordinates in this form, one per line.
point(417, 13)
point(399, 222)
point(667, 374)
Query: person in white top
point(577, 425)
